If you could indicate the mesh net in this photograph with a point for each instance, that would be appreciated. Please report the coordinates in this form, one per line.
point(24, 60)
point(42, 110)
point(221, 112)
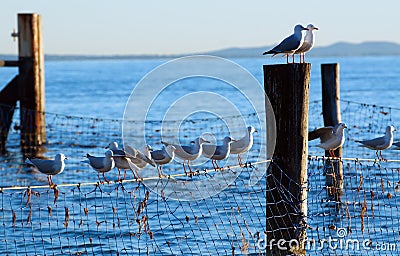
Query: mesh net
point(81, 216)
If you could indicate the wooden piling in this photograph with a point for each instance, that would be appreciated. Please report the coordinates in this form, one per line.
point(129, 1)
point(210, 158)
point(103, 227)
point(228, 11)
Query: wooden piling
point(332, 116)
point(287, 87)
point(31, 82)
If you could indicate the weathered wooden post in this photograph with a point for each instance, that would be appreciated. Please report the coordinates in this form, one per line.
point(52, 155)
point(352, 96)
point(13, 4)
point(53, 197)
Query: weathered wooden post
point(31, 82)
point(287, 87)
point(332, 116)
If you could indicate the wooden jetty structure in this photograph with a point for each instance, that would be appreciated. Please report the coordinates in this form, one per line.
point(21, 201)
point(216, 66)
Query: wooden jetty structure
point(27, 87)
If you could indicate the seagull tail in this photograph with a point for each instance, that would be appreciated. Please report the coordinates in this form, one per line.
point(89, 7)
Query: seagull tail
point(28, 161)
point(271, 52)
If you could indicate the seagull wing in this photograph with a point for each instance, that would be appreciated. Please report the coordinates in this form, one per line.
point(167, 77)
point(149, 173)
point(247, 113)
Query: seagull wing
point(45, 166)
point(374, 143)
point(288, 45)
point(325, 134)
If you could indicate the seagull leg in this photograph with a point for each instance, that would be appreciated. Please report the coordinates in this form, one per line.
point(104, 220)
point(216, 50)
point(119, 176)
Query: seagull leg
point(376, 153)
point(105, 179)
point(188, 164)
point(293, 57)
point(184, 167)
point(98, 176)
point(287, 58)
point(160, 174)
point(240, 160)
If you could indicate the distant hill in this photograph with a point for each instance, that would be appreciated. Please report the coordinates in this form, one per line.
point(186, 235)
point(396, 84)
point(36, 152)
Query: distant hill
point(337, 49)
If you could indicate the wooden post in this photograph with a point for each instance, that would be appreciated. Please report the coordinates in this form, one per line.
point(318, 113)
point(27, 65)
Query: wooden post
point(31, 82)
point(8, 102)
point(287, 87)
point(332, 116)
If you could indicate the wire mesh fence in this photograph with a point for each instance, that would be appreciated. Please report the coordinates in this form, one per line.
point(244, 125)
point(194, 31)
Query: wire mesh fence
point(81, 216)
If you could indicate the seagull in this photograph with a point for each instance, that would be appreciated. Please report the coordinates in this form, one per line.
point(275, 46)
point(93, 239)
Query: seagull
point(121, 159)
point(140, 159)
point(308, 43)
point(331, 137)
point(290, 44)
point(380, 143)
point(219, 152)
point(163, 156)
point(102, 164)
point(189, 153)
point(244, 144)
point(49, 167)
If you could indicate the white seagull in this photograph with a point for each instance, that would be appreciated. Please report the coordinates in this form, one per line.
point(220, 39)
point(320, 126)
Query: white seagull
point(122, 159)
point(140, 159)
point(220, 152)
point(380, 143)
point(308, 42)
point(163, 156)
point(189, 153)
point(244, 144)
point(290, 44)
point(331, 137)
point(102, 164)
point(49, 167)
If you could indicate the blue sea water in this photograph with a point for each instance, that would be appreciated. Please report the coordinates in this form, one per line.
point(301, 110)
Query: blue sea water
point(101, 88)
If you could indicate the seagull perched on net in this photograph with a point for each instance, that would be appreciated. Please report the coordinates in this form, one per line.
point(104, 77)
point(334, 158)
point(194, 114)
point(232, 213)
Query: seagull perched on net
point(218, 152)
point(244, 144)
point(380, 143)
point(102, 164)
point(122, 161)
point(140, 159)
point(128, 159)
point(331, 137)
point(308, 42)
point(189, 153)
point(163, 156)
point(290, 44)
point(49, 167)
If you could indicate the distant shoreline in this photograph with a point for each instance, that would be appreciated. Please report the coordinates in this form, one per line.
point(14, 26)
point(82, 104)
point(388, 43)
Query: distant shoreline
point(340, 49)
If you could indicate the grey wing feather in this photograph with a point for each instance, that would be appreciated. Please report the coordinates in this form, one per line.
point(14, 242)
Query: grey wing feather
point(324, 134)
point(44, 166)
point(145, 158)
point(119, 152)
point(96, 162)
point(157, 155)
point(374, 142)
point(288, 44)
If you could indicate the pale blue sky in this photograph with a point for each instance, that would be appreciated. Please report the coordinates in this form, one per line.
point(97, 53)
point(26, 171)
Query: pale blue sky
point(179, 26)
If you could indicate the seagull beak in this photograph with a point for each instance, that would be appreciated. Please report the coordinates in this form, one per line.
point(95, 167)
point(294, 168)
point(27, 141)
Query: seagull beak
point(107, 147)
point(345, 126)
point(66, 158)
point(316, 28)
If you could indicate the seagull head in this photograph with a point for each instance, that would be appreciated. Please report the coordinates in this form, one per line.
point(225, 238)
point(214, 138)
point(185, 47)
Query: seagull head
point(299, 28)
point(109, 154)
point(60, 157)
point(113, 146)
point(311, 27)
point(228, 140)
point(251, 129)
point(390, 129)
